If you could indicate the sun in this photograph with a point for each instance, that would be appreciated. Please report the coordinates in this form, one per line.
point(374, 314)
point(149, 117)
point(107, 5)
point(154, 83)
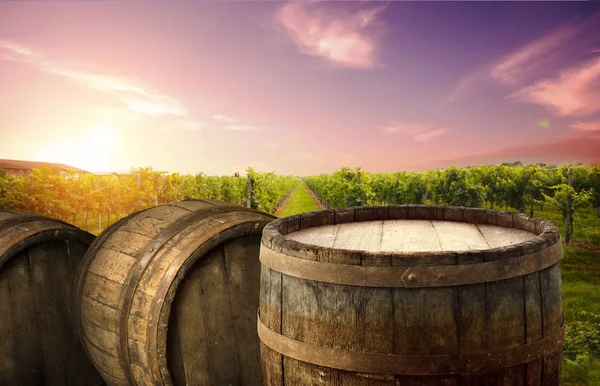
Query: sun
point(93, 151)
point(103, 135)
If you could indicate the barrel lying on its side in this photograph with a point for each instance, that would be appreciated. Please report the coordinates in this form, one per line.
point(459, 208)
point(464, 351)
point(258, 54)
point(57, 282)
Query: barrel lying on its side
point(169, 296)
point(38, 262)
point(419, 295)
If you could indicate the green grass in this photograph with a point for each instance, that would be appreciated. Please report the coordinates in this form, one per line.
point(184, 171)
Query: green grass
point(581, 299)
point(586, 228)
point(301, 200)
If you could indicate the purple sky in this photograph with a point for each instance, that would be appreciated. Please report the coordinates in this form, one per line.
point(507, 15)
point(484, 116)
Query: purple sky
point(299, 88)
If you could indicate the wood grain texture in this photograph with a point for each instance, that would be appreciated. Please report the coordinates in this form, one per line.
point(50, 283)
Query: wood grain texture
point(169, 296)
point(410, 236)
point(38, 343)
point(463, 319)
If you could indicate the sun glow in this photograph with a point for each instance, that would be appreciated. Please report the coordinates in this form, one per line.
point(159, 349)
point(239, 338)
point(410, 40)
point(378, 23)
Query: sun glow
point(102, 135)
point(93, 151)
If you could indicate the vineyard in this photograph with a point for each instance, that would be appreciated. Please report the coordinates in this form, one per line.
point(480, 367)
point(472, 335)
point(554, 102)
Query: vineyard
point(518, 187)
point(564, 194)
point(92, 202)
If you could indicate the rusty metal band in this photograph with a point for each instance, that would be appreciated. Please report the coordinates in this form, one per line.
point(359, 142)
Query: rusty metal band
point(138, 269)
point(410, 364)
point(411, 277)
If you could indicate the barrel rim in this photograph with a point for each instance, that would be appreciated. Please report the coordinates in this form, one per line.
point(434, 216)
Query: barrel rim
point(53, 230)
point(274, 234)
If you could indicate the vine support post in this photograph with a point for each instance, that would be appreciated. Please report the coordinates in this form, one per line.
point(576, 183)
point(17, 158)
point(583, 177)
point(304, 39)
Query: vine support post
point(569, 219)
point(249, 191)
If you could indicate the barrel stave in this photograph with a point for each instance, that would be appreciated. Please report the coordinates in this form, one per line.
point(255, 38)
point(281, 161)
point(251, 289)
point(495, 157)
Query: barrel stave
point(19, 300)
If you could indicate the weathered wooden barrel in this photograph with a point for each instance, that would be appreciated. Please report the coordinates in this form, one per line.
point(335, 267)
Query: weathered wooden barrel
point(415, 295)
point(38, 262)
point(169, 295)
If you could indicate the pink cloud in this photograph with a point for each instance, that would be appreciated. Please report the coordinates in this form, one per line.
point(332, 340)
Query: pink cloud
point(574, 92)
point(417, 131)
point(222, 118)
point(586, 126)
point(18, 49)
point(426, 136)
point(136, 98)
point(513, 66)
point(538, 55)
point(344, 41)
point(241, 128)
point(405, 128)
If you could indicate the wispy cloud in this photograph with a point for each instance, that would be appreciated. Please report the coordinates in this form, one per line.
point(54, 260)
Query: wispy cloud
point(575, 92)
point(465, 83)
point(587, 126)
point(417, 131)
point(136, 98)
point(541, 56)
point(18, 49)
point(515, 65)
point(345, 40)
point(227, 123)
point(426, 136)
point(240, 128)
point(222, 118)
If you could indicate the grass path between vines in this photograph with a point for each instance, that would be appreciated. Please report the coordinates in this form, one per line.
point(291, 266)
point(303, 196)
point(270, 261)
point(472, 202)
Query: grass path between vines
point(301, 200)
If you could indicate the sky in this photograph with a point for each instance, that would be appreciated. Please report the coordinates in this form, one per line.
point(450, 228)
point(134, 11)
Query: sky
point(298, 88)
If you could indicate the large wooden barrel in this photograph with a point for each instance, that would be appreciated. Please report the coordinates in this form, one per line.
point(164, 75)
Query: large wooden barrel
point(38, 262)
point(411, 295)
point(169, 296)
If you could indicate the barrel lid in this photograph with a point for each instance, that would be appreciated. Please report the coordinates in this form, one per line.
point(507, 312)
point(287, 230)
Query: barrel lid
point(411, 231)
